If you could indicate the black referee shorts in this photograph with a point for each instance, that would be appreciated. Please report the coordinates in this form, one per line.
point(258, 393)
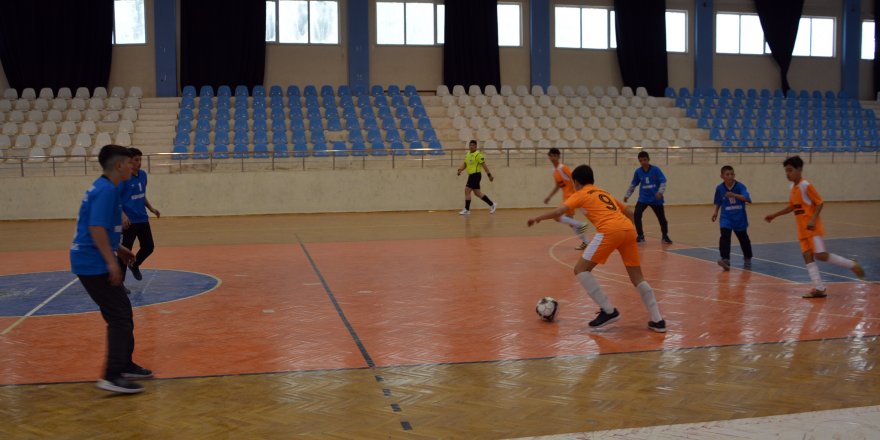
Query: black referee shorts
point(474, 180)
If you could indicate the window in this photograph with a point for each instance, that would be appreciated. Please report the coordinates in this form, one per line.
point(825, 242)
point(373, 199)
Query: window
point(868, 40)
point(414, 23)
point(595, 28)
point(743, 34)
point(739, 33)
point(129, 24)
point(302, 22)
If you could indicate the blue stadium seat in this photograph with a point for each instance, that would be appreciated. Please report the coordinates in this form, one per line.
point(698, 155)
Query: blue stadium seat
point(416, 148)
point(221, 136)
point(200, 151)
point(189, 91)
point(669, 92)
point(180, 153)
point(410, 90)
point(261, 137)
point(300, 149)
point(224, 91)
point(327, 91)
point(261, 150)
point(293, 90)
point(181, 140)
point(319, 149)
point(435, 148)
point(240, 151)
point(397, 148)
point(221, 151)
point(279, 149)
point(377, 148)
point(206, 92)
point(202, 138)
point(310, 90)
point(358, 149)
point(241, 92)
point(260, 91)
point(376, 90)
point(260, 126)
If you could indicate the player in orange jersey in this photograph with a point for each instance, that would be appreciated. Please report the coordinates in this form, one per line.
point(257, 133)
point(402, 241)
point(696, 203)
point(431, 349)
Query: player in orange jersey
point(806, 204)
point(562, 180)
point(614, 231)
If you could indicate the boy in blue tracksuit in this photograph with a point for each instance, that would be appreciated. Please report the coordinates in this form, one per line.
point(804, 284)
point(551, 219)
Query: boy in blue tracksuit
point(93, 258)
point(652, 185)
point(731, 198)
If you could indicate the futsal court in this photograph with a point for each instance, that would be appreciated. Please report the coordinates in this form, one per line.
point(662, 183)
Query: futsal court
point(422, 325)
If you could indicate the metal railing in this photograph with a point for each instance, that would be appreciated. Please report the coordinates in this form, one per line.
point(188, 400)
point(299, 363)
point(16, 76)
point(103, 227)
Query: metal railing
point(178, 163)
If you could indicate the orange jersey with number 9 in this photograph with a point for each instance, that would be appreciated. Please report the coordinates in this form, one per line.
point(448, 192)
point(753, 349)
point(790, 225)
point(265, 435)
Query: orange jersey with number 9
point(601, 208)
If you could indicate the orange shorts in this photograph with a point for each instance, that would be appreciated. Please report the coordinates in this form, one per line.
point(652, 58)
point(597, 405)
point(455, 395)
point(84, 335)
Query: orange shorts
point(604, 243)
point(812, 243)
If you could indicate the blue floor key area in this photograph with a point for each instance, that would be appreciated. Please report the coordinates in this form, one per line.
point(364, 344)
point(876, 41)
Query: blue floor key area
point(19, 294)
point(784, 260)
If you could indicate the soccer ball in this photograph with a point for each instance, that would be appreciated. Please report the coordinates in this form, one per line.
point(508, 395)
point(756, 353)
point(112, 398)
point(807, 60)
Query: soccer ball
point(547, 308)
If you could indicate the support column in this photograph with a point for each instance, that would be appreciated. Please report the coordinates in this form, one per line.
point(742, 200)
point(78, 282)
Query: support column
point(165, 13)
point(358, 39)
point(539, 42)
point(704, 44)
point(852, 48)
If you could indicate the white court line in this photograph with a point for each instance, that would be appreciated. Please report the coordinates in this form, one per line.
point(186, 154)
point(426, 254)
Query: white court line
point(35, 309)
point(800, 267)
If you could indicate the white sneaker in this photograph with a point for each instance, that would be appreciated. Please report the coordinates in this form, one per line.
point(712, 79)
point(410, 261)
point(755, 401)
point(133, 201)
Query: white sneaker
point(464, 212)
point(493, 208)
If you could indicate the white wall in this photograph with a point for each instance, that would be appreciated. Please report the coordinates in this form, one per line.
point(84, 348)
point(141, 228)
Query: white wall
point(204, 194)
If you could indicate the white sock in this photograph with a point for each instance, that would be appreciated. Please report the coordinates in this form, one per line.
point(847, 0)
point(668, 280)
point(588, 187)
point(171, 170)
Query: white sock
point(647, 294)
point(839, 261)
point(813, 270)
point(595, 291)
point(570, 221)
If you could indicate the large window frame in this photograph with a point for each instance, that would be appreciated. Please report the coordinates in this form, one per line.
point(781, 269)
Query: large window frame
point(868, 40)
point(805, 30)
point(120, 18)
point(439, 23)
point(609, 40)
point(274, 26)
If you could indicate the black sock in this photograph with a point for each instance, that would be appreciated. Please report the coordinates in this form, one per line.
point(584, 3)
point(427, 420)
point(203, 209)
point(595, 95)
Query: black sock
point(467, 205)
point(487, 200)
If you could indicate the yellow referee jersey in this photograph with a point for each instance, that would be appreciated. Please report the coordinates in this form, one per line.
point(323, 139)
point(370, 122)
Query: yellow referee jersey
point(474, 162)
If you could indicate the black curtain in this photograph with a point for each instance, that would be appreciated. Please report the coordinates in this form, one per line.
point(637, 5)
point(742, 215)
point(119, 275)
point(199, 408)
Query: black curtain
point(56, 43)
point(876, 50)
point(779, 19)
point(641, 44)
point(222, 42)
point(470, 52)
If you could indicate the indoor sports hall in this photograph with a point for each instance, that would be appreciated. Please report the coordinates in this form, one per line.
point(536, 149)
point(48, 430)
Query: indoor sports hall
point(314, 277)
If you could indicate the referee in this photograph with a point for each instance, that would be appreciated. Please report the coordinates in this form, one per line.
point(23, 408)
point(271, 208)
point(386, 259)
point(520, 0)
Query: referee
point(474, 162)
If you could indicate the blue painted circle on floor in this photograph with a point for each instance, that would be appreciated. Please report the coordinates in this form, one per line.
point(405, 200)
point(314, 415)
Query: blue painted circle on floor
point(19, 294)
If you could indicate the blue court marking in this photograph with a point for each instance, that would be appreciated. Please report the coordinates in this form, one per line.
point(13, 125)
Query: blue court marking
point(784, 260)
point(20, 293)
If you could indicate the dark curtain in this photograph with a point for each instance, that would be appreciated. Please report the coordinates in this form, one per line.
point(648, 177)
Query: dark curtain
point(222, 42)
point(779, 19)
point(56, 43)
point(876, 50)
point(470, 52)
point(641, 44)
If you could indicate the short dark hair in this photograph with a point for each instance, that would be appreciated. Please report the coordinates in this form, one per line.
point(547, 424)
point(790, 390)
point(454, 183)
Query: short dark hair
point(135, 152)
point(583, 174)
point(553, 151)
point(473, 141)
point(795, 162)
point(109, 155)
point(644, 154)
point(726, 168)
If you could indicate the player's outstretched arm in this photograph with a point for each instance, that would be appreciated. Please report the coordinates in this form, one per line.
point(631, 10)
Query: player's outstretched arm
point(770, 217)
point(548, 215)
point(552, 193)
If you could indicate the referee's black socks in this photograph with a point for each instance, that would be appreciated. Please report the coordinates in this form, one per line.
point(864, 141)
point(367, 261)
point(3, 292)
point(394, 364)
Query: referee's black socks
point(487, 200)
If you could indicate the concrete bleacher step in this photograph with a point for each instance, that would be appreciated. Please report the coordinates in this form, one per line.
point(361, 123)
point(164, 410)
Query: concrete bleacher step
point(154, 129)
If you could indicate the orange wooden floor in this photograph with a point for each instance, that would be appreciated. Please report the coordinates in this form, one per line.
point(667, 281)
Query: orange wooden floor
point(413, 302)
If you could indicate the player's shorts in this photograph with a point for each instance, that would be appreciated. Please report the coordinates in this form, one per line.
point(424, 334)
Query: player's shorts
point(474, 180)
point(813, 243)
point(604, 243)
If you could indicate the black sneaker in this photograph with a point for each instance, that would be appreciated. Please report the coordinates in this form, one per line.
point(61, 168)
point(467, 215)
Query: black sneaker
point(659, 326)
point(603, 318)
point(724, 263)
point(666, 240)
point(137, 372)
point(747, 264)
point(640, 239)
point(119, 385)
point(136, 271)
